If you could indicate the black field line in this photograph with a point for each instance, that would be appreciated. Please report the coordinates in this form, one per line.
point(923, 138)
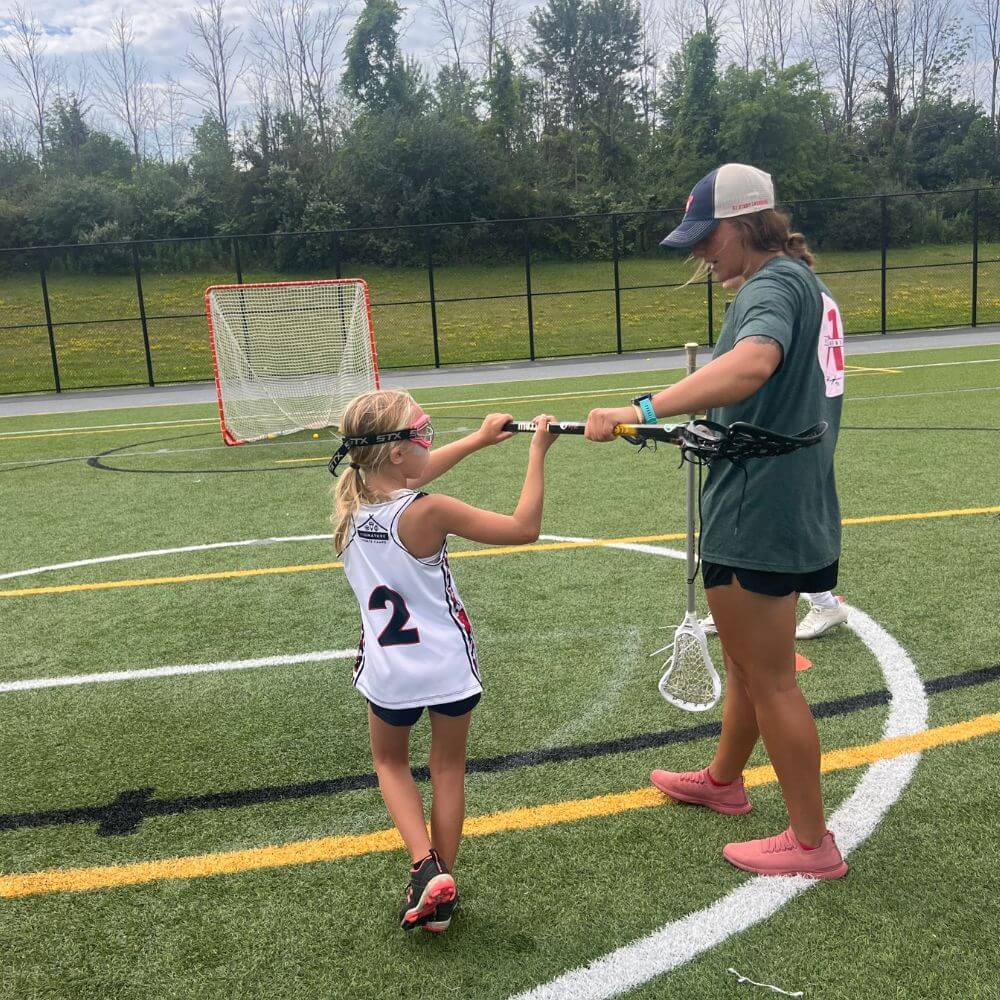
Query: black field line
point(126, 813)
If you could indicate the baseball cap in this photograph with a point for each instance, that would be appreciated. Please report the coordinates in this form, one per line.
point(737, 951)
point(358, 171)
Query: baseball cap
point(730, 190)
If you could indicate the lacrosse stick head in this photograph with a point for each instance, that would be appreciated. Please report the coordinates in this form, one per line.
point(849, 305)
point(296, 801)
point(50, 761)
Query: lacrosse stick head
point(690, 680)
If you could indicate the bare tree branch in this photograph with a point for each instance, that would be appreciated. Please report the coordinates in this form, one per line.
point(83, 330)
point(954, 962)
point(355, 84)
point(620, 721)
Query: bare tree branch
point(746, 42)
point(989, 20)
point(452, 20)
point(494, 23)
point(842, 45)
point(33, 73)
point(888, 28)
point(216, 63)
point(125, 94)
point(297, 47)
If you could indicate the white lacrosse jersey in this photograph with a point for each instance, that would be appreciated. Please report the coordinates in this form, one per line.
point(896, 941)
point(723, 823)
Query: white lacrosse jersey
point(416, 647)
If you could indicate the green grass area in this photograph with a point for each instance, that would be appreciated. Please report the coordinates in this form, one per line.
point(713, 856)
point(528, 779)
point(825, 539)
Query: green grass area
point(564, 638)
point(99, 337)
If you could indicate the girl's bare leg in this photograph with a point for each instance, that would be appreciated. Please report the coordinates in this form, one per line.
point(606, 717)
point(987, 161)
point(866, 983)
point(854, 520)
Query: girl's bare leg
point(449, 737)
point(391, 757)
point(758, 633)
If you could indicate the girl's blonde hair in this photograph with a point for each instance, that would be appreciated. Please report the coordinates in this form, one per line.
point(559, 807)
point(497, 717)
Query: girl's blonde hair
point(767, 230)
point(370, 413)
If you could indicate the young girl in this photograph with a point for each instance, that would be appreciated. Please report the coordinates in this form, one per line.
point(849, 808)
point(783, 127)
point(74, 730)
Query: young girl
point(417, 650)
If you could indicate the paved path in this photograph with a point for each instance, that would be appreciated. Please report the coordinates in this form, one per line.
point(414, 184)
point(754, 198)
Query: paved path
point(80, 400)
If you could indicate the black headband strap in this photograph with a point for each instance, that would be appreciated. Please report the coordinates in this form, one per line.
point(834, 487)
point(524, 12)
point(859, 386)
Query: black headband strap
point(368, 441)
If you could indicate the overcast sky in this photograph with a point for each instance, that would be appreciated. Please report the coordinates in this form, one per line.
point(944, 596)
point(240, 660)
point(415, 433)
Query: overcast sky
point(79, 28)
point(77, 31)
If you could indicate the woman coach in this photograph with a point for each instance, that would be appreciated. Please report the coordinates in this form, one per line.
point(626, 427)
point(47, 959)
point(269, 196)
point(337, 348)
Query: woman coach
point(771, 530)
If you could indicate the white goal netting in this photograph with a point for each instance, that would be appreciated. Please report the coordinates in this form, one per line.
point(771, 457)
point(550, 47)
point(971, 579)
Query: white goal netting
point(289, 356)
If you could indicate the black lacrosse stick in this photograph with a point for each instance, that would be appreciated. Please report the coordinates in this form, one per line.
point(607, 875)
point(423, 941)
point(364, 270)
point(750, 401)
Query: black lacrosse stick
point(704, 441)
point(701, 441)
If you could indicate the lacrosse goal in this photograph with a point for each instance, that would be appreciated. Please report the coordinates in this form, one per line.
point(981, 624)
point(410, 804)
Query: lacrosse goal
point(289, 355)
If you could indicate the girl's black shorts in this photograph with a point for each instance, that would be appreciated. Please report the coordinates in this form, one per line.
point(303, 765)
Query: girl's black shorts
point(771, 584)
point(408, 716)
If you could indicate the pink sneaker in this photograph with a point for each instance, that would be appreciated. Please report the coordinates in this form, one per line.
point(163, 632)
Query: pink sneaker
point(783, 855)
point(696, 787)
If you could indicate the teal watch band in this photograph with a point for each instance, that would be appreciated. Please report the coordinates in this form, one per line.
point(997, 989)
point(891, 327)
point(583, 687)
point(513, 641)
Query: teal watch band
point(645, 403)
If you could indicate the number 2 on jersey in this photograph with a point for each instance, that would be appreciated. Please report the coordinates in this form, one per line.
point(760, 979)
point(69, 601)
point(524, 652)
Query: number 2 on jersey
point(393, 634)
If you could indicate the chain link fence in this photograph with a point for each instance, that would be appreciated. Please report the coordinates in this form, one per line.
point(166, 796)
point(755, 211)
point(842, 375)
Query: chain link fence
point(455, 293)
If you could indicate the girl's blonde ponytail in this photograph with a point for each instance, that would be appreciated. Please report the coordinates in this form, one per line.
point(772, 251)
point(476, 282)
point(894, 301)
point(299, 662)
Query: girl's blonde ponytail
point(369, 413)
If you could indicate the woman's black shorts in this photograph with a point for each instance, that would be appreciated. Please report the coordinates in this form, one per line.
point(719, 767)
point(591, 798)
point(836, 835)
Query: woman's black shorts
point(408, 716)
point(771, 584)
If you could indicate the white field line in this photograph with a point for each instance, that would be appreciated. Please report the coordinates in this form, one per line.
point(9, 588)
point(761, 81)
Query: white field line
point(219, 447)
point(188, 451)
point(467, 385)
point(152, 425)
point(929, 392)
point(188, 668)
point(163, 552)
point(682, 940)
point(455, 402)
point(944, 364)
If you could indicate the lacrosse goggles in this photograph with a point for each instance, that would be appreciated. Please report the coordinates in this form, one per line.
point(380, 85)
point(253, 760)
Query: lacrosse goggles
point(420, 432)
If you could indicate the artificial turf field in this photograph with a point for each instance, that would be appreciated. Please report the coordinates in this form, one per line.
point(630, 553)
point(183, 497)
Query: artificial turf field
point(217, 834)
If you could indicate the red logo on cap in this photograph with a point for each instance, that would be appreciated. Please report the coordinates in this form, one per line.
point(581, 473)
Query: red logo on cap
point(687, 207)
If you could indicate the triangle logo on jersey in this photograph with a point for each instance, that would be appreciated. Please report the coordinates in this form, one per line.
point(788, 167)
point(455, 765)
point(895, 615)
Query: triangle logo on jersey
point(372, 531)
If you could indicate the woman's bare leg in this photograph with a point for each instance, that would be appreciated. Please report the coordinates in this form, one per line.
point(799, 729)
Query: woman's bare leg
point(739, 727)
point(758, 633)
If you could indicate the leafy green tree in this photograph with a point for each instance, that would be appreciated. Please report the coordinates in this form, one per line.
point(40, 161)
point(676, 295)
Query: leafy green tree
point(213, 171)
point(947, 143)
point(510, 98)
point(774, 118)
point(74, 147)
point(376, 75)
point(558, 53)
point(612, 54)
point(693, 110)
point(394, 170)
point(456, 94)
point(68, 209)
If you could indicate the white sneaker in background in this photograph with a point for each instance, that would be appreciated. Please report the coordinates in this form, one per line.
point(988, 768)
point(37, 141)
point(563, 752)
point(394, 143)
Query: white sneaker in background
point(708, 625)
point(819, 621)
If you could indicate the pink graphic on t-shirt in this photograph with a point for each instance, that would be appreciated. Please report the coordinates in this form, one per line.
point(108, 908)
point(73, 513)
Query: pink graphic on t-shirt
point(830, 348)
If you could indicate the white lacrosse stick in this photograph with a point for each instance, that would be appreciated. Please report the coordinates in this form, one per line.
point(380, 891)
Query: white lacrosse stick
point(690, 680)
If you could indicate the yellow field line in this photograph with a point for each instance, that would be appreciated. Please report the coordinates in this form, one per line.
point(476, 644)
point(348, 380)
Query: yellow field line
point(236, 574)
point(499, 550)
point(921, 516)
point(861, 370)
point(305, 852)
point(31, 435)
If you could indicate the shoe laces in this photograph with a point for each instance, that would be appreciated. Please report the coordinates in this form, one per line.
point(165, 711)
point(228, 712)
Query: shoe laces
point(784, 841)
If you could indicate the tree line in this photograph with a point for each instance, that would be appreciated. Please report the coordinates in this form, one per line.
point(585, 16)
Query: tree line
point(304, 121)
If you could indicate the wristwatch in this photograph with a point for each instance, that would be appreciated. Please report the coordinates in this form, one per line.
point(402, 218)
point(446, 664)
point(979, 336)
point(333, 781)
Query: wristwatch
point(645, 404)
